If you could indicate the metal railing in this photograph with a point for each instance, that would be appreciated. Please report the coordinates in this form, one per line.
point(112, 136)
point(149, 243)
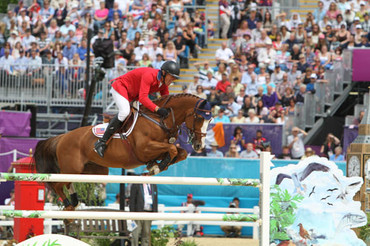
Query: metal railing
point(53, 85)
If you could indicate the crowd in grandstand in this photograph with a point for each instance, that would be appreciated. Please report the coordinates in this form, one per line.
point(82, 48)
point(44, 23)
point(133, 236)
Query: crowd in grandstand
point(265, 67)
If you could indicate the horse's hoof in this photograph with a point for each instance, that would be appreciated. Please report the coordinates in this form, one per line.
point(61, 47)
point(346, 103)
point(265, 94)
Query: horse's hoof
point(154, 170)
point(69, 208)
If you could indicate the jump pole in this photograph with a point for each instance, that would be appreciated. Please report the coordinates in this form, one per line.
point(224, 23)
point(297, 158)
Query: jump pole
point(263, 183)
point(127, 215)
point(265, 163)
point(83, 178)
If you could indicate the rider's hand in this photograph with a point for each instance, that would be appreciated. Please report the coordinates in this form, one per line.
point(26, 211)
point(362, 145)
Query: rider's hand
point(162, 112)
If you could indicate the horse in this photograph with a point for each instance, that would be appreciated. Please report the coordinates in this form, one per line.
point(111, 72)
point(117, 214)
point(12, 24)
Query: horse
point(151, 140)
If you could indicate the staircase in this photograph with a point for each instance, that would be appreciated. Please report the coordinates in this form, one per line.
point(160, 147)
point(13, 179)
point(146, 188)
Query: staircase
point(187, 74)
point(206, 54)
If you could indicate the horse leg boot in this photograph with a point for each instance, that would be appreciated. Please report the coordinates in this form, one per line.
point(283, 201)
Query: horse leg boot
point(101, 144)
point(73, 195)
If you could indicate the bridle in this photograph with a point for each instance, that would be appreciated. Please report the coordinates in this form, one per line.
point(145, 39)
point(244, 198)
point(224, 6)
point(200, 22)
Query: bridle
point(192, 132)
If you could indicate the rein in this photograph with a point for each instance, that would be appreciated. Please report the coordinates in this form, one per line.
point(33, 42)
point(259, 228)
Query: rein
point(171, 132)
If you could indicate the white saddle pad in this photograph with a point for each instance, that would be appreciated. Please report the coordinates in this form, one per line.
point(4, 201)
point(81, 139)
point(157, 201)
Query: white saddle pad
point(99, 130)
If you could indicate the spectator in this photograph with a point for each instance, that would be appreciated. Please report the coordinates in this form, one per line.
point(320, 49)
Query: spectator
point(69, 50)
point(337, 156)
point(252, 118)
point(158, 62)
point(238, 139)
point(249, 153)
point(267, 55)
point(113, 11)
point(213, 98)
point(295, 142)
point(66, 27)
point(100, 15)
point(221, 85)
point(201, 152)
point(343, 35)
point(14, 38)
point(239, 118)
point(221, 117)
point(270, 98)
point(154, 50)
point(286, 101)
point(285, 154)
point(34, 63)
point(6, 62)
point(21, 63)
point(331, 142)
point(208, 82)
point(234, 43)
point(7, 18)
point(133, 30)
point(23, 18)
point(60, 14)
point(170, 52)
point(310, 87)
point(364, 42)
point(223, 54)
point(10, 201)
point(320, 12)
point(199, 92)
point(140, 51)
point(299, 96)
point(225, 17)
point(309, 152)
point(214, 152)
point(46, 13)
point(259, 142)
point(48, 60)
point(232, 231)
point(143, 198)
point(232, 153)
point(44, 44)
point(190, 39)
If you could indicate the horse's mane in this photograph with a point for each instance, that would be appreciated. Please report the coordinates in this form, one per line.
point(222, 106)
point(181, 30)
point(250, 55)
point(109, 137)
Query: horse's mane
point(162, 99)
point(159, 100)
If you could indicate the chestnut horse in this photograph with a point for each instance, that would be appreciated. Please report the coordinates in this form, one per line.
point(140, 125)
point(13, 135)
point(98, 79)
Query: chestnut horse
point(72, 152)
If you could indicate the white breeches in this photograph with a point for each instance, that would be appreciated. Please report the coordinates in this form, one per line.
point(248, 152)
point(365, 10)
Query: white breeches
point(122, 104)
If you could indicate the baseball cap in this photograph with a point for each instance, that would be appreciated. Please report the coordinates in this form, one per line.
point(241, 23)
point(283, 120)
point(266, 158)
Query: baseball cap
point(356, 18)
point(358, 26)
point(67, 19)
point(313, 76)
point(362, 3)
point(141, 43)
point(190, 195)
point(268, 42)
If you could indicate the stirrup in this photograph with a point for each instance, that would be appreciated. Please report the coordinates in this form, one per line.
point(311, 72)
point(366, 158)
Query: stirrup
point(100, 147)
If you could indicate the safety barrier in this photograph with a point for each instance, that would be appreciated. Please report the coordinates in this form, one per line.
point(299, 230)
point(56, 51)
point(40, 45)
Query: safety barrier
point(263, 183)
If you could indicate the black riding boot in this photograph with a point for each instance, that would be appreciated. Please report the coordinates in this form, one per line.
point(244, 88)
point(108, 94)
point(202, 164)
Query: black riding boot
point(113, 126)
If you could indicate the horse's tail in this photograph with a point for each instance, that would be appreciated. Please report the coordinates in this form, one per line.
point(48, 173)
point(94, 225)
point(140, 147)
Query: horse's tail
point(46, 156)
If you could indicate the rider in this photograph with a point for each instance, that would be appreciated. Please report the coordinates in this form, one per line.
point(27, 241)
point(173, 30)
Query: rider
point(137, 85)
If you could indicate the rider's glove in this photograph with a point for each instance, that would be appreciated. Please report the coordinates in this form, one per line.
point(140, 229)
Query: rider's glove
point(162, 112)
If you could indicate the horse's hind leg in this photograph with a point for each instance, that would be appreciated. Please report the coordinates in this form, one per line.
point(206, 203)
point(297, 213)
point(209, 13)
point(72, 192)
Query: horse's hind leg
point(58, 188)
point(73, 195)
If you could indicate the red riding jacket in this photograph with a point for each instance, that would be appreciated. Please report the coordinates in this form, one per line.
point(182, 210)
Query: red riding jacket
point(138, 84)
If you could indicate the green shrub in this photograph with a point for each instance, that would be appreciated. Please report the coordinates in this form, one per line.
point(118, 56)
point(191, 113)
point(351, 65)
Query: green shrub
point(365, 230)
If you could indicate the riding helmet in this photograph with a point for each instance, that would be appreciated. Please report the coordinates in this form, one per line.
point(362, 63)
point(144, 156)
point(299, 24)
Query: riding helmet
point(171, 68)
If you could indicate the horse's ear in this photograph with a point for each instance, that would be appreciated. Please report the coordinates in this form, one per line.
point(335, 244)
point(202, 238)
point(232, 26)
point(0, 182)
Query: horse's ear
point(206, 109)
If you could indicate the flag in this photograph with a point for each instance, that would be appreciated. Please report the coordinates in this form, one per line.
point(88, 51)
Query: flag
point(216, 134)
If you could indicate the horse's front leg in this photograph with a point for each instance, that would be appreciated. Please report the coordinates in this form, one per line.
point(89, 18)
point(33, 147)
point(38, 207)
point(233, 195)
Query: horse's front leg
point(181, 155)
point(154, 149)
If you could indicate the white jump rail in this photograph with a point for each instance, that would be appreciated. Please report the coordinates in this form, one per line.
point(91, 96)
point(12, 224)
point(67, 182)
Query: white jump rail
point(263, 183)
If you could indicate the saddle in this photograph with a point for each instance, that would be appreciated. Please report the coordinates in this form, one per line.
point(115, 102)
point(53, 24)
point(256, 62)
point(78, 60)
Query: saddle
point(127, 126)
